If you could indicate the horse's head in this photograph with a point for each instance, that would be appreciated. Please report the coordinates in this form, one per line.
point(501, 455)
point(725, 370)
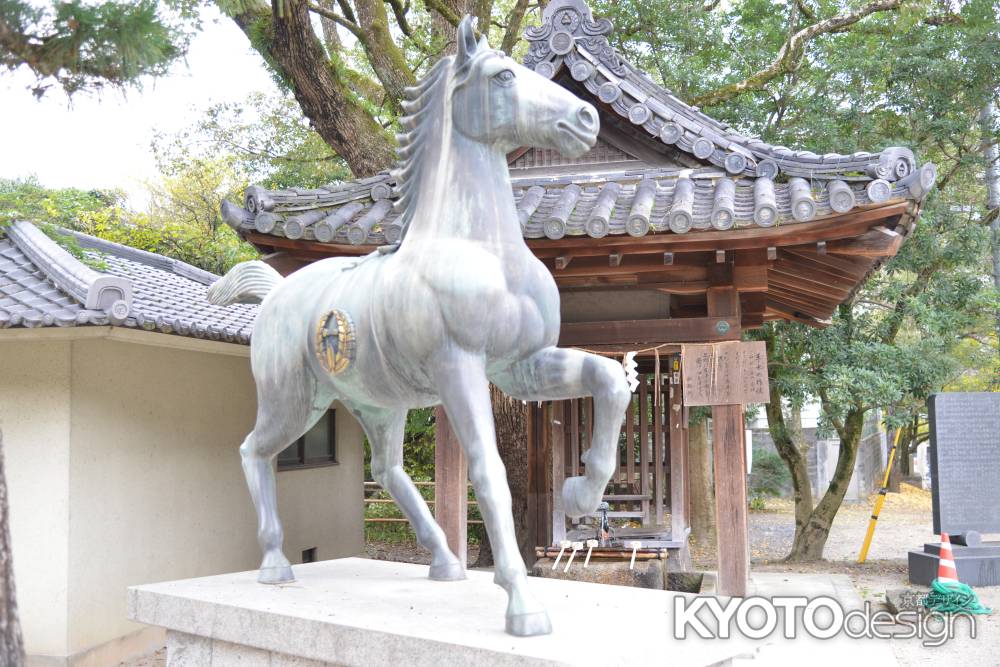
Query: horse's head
point(502, 103)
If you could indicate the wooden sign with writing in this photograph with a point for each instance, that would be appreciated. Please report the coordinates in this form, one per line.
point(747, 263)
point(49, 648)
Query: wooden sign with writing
point(724, 373)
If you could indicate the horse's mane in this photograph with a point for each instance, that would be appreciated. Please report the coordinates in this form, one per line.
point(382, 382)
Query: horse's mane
point(419, 106)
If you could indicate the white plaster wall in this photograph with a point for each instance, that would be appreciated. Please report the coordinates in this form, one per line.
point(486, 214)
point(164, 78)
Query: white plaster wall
point(155, 484)
point(324, 507)
point(35, 421)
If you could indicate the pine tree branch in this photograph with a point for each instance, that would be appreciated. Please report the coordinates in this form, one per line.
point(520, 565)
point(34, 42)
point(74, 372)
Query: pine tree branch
point(792, 51)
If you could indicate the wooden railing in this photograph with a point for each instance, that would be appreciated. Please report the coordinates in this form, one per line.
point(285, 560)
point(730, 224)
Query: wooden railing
point(373, 487)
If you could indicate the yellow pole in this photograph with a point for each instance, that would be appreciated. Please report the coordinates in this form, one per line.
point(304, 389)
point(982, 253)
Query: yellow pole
point(880, 500)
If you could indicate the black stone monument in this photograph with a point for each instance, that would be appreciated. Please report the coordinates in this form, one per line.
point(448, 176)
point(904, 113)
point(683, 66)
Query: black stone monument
point(965, 474)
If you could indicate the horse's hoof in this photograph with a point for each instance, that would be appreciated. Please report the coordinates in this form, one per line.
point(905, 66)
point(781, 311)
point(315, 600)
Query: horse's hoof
point(529, 625)
point(447, 572)
point(575, 501)
point(276, 575)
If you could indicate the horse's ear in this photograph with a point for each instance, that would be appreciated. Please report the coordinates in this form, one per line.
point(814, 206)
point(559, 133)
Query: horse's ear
point(466, 38)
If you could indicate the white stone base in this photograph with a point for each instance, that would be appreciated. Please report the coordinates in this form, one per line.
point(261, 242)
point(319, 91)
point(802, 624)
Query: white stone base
point(184, 650)
point(359, 612)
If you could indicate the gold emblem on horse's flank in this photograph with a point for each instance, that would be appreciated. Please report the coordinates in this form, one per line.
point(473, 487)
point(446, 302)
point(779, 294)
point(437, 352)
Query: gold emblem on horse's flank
point(335, 341)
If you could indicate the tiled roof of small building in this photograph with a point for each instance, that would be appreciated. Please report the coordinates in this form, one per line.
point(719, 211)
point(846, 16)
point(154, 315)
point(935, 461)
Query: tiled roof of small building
point(42, 285)
point(735, 181)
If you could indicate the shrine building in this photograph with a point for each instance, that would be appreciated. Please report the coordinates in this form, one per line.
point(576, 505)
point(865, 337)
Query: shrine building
point(674, 229)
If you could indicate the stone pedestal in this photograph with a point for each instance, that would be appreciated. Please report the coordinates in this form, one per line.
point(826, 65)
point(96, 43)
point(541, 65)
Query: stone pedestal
point(372, 613)
point(977, 566)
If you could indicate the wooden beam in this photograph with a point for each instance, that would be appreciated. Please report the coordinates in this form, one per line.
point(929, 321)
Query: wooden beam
point(451, 496)
point(816, 265)
point(667, 275)
point(684, 287)
point(686, 330)
point(599, 266)
point(752, 305)
point(723, 301)
point(858, 221)
point(794, 303)
point(845, 263)
point(787, 312)
point(879, 242)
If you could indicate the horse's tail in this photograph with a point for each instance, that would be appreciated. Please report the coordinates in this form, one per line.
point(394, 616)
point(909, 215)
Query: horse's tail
point(247, 282)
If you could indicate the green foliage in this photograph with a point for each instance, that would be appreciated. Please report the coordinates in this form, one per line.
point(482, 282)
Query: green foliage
point(266, 140)
point(768, 475)
point(81, 45)
point(183, 221)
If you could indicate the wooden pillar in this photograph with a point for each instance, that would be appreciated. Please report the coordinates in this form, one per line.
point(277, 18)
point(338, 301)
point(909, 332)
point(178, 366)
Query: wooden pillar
point(678, 463)
point(558, 444)
point(729, 462)
point(539, 499)
point(659, 408)
point(451, 496)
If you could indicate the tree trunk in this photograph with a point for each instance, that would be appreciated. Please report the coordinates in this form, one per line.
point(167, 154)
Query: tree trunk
point(700, 481)
point(511, 419)
point(792, 448)
point(11, 646)
point(992, 157)
point(811, 540)
point(290, 45)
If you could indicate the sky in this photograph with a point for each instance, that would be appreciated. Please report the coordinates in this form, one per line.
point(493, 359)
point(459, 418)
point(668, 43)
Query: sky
point(102, 141)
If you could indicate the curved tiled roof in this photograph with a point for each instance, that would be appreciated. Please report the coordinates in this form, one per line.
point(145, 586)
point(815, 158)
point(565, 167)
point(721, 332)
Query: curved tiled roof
point(43, 285)
point(743, 182)
point(636, 202)
point(569, 38)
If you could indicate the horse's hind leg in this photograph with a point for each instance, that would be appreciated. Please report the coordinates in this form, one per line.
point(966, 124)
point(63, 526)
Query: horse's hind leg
point(385, 433)
point(279, 424)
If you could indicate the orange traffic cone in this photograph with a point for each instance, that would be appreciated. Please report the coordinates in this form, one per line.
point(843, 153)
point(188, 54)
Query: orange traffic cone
point(946, 561)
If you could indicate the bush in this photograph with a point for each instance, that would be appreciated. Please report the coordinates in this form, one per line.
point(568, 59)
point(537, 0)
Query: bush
point(770, 476)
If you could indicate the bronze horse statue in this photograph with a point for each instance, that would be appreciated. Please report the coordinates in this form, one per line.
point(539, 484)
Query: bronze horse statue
point(461, 303)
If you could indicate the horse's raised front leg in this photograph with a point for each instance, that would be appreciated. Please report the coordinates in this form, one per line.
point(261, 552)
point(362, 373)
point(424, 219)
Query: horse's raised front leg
point(556, 374)
point(464, 391)
point(385, 433)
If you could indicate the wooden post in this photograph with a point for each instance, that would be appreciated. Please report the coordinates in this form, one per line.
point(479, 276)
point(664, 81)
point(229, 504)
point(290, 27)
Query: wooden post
point(644, 447)
point(658, 451)
point(678, 464)
point(539, 480)
point(729, 462)
point(451, 496)
point(558, 441)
